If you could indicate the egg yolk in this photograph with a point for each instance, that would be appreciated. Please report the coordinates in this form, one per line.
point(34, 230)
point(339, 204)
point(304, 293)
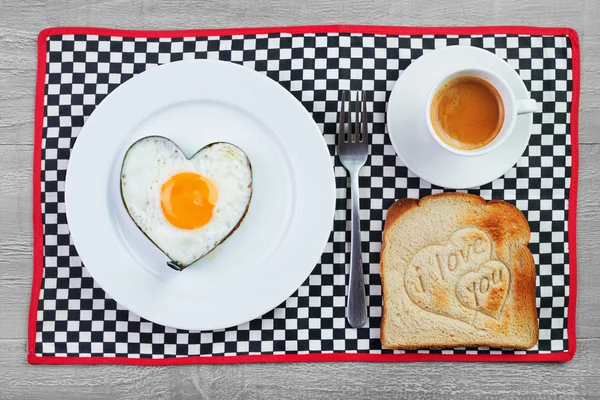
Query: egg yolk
point(188, 199)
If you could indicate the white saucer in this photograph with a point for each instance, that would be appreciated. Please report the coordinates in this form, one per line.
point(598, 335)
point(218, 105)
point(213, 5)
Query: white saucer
point(411, 139)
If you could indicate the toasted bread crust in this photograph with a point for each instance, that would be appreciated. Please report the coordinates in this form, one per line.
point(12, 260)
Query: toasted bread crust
point(508, 229)
point(395, 212)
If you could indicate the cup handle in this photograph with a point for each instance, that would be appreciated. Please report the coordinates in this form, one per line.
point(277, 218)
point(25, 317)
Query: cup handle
point(526, 106)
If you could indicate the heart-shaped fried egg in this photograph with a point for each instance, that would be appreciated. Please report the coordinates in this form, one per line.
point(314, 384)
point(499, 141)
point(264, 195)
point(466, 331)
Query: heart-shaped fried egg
point(186, 207)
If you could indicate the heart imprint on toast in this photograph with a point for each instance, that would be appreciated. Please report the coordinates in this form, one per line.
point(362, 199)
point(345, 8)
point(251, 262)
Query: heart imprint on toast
point(460, 278)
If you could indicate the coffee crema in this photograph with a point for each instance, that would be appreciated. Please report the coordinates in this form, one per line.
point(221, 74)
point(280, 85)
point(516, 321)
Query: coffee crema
point(467, 112)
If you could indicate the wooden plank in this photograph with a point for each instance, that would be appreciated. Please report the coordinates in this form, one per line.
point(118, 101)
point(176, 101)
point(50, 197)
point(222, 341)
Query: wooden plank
point(578, 379)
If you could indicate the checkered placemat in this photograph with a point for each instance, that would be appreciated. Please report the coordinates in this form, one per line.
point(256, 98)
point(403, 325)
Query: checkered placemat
point(73, 320)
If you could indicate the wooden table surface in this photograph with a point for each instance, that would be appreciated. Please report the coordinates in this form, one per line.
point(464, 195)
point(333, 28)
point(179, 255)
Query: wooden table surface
point(20, 22)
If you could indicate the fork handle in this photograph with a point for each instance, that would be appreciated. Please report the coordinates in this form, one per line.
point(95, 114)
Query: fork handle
point(357, 302)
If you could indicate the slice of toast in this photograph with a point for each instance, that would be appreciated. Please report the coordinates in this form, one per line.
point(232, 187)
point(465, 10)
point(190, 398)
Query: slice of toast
point(457, 272)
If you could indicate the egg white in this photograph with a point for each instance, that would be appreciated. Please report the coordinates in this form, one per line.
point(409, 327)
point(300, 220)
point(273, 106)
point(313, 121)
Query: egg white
point(152, 161)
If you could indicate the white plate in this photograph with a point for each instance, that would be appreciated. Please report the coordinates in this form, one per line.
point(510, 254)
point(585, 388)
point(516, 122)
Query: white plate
point(289, 219)
point(415, 146)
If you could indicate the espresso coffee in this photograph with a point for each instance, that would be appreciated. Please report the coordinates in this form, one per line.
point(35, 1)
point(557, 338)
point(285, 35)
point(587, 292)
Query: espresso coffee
point(467, 112)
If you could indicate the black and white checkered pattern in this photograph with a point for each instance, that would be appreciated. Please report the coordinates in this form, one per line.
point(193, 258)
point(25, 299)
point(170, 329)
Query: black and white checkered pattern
point(76, 318)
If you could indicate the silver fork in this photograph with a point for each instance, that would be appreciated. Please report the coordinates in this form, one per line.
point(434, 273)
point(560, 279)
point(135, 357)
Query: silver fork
point(353, 150)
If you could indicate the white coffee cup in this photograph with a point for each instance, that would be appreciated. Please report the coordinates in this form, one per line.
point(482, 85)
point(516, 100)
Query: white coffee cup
point(512, 108)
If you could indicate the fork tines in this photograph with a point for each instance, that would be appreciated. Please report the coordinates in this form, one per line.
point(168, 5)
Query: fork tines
point(348, 134)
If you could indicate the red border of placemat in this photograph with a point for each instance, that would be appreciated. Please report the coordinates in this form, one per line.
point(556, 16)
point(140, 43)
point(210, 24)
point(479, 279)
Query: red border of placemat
point(38, 245)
